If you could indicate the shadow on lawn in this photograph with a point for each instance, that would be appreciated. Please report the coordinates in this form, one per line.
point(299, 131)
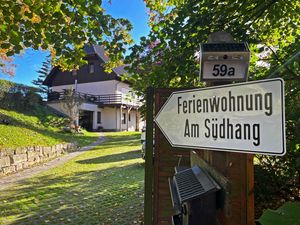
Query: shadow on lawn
point(113, 141)
point(112, 158)
point(60, 136)
point(111, 196)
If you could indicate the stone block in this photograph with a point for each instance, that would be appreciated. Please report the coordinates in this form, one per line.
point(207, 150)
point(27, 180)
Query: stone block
point(33, 156)
point(38, 149)
point(9, 169)
point(19, 151)
point(64, 147)
point(71, 147)
point(30, 149)
point(4, 161)
point(25, 165)
point(47, 151)
point(6, 152)
point(52, 155)
point(18, 158)
point(31, 163)
point(19, 166)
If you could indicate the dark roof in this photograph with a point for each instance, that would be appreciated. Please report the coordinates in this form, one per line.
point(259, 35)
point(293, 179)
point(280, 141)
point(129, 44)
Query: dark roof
point(99, 51)
point(90, 50)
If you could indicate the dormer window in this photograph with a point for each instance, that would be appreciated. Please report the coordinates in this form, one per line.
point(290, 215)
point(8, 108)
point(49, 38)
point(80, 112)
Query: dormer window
point(91, 68)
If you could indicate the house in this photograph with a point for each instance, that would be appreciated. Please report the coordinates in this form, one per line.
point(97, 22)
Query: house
point(107, 102)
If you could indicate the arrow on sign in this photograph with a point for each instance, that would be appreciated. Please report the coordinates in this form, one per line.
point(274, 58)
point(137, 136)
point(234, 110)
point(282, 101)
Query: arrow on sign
point(245, 117)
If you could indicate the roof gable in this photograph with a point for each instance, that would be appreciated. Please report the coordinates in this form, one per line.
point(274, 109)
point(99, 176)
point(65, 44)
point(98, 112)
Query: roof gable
point(94, 54)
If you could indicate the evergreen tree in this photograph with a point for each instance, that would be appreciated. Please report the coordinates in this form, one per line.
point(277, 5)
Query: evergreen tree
point(42, 74)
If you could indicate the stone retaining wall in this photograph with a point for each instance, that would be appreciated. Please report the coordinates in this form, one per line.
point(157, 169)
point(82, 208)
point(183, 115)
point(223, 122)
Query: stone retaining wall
point(12, 161)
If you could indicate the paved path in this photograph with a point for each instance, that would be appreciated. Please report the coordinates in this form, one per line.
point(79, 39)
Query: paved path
point(5, 182)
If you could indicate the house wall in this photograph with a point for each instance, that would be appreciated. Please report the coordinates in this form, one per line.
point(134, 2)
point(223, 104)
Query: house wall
point(96, 88)
point(122, 88)
point(97, 83)
point(58, 106)
point(141, 123)
point(125, 89)
point(132, 122)
point(110, 118)
point(59, 77)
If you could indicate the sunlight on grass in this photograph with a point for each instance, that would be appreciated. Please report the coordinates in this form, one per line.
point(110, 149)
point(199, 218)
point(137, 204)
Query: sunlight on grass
point(101, 186)
point(27, 130)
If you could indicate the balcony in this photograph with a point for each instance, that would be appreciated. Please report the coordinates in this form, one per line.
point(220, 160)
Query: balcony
point(101, 100)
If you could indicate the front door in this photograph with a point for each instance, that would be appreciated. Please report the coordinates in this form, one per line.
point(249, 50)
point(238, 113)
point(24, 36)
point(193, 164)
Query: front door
point(86, 120)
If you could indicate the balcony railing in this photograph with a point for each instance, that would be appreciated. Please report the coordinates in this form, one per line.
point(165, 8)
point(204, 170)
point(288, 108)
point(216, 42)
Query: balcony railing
point(109, 99)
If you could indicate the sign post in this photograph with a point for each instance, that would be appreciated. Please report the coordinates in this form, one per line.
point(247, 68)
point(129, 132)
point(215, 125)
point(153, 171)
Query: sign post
point(223, 126)
point(245, 118)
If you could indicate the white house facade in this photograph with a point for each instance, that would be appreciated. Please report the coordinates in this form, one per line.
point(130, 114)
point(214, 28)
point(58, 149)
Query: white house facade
point(106, 102)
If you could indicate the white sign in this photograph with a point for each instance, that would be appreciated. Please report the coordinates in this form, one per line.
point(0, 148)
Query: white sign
point(224, 70)
point(245, 117)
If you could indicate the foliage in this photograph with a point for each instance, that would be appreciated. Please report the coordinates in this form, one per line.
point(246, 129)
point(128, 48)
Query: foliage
point(167, 57)
point(42, 74)
point(18, 96)
point(288, 214)
point(4, 87)
point(70, 105)
point(63, 27)
point(6, 64)
point(101, 186)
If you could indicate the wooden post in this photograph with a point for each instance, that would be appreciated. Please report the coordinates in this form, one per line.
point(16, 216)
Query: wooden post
point(233, 171)
point(166, 158)
point(148, 201)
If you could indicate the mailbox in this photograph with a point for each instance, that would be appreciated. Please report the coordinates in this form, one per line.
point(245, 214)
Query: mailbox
point(193, 194)
point(224, 61)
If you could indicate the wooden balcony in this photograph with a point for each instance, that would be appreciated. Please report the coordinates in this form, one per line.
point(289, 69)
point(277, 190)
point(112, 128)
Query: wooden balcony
point(110, 99)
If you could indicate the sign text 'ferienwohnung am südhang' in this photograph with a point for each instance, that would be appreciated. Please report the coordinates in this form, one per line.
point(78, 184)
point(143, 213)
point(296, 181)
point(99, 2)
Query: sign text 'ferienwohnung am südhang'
point(245, 117)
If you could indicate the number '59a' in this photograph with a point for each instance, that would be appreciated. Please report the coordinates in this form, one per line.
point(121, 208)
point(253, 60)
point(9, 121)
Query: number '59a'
point(222, 70)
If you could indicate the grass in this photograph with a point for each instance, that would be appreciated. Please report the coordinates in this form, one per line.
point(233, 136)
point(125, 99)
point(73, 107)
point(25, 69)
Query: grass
point(101, 186)
point(39, 128)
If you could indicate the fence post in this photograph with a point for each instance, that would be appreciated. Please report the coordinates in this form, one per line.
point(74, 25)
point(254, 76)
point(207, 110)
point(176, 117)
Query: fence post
point(148, 200)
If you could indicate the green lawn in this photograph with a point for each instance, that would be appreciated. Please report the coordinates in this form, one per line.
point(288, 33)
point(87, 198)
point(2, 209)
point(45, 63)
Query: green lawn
point(101, 186)
point(39, 128)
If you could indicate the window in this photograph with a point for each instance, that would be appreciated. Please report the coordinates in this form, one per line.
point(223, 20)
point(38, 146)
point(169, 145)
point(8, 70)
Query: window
point(129, 117)
point(98, 117)
point(123, 118)
point(91, 68)
point(74, 72)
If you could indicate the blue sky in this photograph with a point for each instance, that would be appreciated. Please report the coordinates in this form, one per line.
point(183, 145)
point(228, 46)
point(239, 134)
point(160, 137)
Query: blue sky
point(133, 10)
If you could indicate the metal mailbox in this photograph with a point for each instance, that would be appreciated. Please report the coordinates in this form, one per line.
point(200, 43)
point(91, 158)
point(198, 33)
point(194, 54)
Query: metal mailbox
point(224, 61)
point(193, 194)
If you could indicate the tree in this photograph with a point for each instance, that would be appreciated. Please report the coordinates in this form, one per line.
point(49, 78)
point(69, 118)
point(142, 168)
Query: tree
point(167, 57)
point(42, 74)
point(70, 105)
point(62, 27)
point(6, 64)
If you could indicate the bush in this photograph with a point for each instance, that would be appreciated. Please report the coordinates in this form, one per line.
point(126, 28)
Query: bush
point(277, 179)
point(18, 96)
